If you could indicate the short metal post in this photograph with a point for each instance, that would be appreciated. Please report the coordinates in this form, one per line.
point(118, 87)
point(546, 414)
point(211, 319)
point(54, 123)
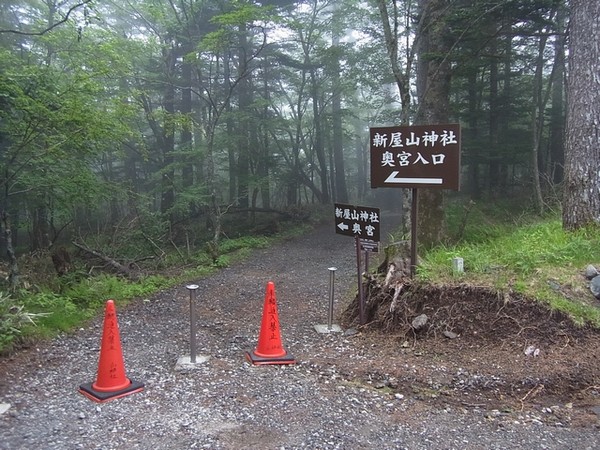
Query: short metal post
point(192, 288)
point(331, 295)
point(329, 327)
point(361, 300)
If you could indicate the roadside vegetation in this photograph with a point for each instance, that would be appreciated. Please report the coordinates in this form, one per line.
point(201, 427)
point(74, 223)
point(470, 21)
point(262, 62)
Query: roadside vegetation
point(505, 247)
point(513, 250)
point(48, 304)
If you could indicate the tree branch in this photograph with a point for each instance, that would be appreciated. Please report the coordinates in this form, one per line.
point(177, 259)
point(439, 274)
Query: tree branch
point(50, 28)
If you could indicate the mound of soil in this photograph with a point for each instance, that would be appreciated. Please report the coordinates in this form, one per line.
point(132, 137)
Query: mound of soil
point(477, 347)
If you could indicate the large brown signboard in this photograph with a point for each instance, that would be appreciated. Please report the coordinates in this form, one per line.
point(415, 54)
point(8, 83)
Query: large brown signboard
point(357, 221)
point(415, 156)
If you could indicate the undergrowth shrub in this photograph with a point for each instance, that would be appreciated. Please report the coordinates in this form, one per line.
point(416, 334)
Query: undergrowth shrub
point(13, 317)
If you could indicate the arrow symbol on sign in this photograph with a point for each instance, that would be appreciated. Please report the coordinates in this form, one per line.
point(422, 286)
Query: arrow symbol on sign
point(342, 226)
point(392, 179)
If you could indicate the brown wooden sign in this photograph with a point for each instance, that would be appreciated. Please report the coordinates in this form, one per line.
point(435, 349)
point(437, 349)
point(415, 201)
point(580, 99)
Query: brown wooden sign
point(357, 221)
point(366, 245)
point(415, 156)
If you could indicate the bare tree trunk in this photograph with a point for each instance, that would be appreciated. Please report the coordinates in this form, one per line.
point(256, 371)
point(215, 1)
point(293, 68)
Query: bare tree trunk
point(473, 121)
point(318, 139)
point(187, 171)
point(340, 192)
point(433, 82)
point(557, 115)
point(537, 124)
point(391, 23)
point(582, 160)
point(168, 137)
point(262, 167)
point(13, 271)
point(243, 130)
point(494, 157)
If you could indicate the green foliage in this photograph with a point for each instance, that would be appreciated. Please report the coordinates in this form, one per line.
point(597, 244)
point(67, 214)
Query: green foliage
point(529, 258)
point(240, 15)
point(13, 318)
point(221, 261)
point(93, 292)
point(230, 245)
point(58, 312)
point(79, 297)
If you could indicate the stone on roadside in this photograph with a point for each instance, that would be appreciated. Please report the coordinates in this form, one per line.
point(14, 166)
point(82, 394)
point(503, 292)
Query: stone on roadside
point(420, 321)
point(450, 334)
point(4, 407)
point(595, 286)
point(591, 272)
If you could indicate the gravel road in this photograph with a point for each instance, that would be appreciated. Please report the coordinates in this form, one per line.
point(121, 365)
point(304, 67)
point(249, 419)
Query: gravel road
point(225, 403)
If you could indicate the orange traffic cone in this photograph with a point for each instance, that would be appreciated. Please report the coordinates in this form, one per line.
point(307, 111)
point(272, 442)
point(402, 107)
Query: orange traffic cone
point(269, 349)
point(111, 382)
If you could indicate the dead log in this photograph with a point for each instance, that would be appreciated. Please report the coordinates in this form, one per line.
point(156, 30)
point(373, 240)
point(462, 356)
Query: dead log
point(120, 268)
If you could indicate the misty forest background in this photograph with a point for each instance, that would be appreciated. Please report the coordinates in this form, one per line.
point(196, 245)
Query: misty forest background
point(145, 131)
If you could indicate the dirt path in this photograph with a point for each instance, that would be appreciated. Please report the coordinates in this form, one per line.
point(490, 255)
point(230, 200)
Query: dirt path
point(365, 391)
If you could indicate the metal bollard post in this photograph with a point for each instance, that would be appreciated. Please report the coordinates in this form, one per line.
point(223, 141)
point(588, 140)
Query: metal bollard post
point(331, 292)
point(192, 288)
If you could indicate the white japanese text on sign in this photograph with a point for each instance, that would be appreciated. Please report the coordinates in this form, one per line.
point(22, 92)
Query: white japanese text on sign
point(358, 221)
point(415, 156)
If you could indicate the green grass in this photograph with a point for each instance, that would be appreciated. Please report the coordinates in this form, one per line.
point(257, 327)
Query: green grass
point(534, 257)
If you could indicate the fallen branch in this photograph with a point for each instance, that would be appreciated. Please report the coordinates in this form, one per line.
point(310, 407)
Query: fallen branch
point(120, 268)
point(532, 393)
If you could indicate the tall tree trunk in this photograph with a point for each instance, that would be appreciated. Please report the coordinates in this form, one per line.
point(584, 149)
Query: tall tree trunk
point(434, 103)
point(187, 169)
point(537, 123)
point(494, 124)
point(229, 125)
point(391, 24)
point(262, 167)
point(341, 191)
point(40, 238)
point(582, 159)
point(504, 103)
point(13, 270)
point(245, 101)
point(557, 115)
point(168, 138)
point(318, 139)
point(361, 160)
point(473, 121)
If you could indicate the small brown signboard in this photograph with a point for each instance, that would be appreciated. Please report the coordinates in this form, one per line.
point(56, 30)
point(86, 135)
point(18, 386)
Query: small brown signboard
point(367, 245)
point(357, 221)
point(415, 156)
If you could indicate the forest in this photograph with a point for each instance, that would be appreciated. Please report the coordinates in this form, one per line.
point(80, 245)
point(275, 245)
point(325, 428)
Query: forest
point(133, 129)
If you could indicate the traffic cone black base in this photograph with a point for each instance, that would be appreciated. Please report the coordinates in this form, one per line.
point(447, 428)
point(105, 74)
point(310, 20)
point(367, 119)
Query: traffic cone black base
point(111, 382)
point(261, 361)
point(101, 397)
